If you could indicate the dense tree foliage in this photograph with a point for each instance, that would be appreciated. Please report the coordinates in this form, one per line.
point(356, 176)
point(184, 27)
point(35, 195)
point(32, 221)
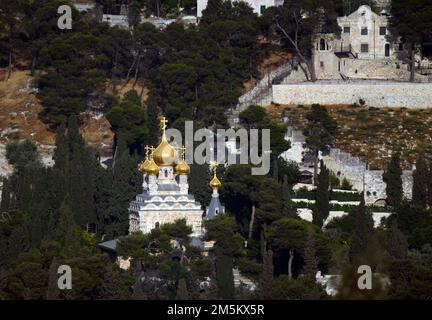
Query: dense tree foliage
point(57, 215)
point(298, 23)
point(410, 23)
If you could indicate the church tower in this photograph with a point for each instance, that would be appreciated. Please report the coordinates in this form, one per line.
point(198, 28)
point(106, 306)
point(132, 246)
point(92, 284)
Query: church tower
point(215, 207)
point(165, 197)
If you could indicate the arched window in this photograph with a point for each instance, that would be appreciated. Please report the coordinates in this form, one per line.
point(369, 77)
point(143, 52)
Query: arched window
point(216, 211)
point(322, 45)
point(157, 225)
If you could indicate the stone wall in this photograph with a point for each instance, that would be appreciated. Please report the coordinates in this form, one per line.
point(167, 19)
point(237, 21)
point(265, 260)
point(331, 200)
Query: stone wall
point(344, 165)
point(375, 93)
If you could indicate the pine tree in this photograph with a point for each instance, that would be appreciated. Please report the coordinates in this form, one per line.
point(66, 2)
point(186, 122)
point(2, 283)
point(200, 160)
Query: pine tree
point(182, 291)
point(420, 182)
point(311, 262)
point(288, 207)
point(322, 197)
point(397, 243)
point(364, 227)
point(392, 177)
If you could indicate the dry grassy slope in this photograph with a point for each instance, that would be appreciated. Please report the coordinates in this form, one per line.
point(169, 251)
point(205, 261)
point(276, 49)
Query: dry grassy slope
point(373, 134)
point(19, 109)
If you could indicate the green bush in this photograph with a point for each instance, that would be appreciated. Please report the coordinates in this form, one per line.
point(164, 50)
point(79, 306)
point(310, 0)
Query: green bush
point(344, 196)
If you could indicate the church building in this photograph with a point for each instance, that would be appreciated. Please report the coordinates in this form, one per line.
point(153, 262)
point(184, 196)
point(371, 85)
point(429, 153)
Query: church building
point(165, 197)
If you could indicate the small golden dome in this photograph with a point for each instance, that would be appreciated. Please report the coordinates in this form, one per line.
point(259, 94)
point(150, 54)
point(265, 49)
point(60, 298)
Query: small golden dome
point(215, 182)
point(182, 168)
point(164, 154)
point(152, 168)
point(143, 166)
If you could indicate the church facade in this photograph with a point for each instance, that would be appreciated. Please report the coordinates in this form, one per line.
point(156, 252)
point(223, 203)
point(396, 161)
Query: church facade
point(165, 197)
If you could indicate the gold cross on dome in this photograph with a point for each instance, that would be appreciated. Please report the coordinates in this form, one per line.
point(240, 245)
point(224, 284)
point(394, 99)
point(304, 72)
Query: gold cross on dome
point(183, 149)
point(215, 164)
point(164, 124)
point(152, 149)
point(147, 149)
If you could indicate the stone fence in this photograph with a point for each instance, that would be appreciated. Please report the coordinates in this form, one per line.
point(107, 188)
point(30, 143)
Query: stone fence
point(374, 93)
point(344, 165)
point(260, 94)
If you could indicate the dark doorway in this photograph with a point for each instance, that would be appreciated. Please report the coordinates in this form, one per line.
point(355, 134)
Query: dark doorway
point(427, 49)
point(387, 50)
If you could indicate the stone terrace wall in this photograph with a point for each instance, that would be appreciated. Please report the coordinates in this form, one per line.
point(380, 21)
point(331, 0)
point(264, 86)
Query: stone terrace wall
point(375, 93)
point(354, 170)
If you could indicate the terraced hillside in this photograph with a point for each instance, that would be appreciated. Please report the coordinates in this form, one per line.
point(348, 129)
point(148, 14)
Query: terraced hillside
point(371, 133)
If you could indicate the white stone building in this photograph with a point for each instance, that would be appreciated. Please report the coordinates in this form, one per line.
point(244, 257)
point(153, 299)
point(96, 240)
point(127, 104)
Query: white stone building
point(361, 48)
point(259, 6)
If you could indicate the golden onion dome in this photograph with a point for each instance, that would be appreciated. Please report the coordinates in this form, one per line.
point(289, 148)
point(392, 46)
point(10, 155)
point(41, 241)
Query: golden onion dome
point(143, 166)
point(182, 168)
point(164, 154)
point(152, 168)
point(215, 182)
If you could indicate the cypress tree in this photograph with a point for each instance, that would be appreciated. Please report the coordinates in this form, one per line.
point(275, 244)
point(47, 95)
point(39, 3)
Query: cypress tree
point(393, 178)
point(224, 275)
point(19, 239)
point(126, 184)
point(182, 291)
point(268, 273)
point(5, 196)
point(53, 291)
point(322, 197)
point(275, 169)
point(311, 262)
point(61, 154)
point(153, 122)
point(66, 229)
point(397, 243)
point(80, 175)
point(429, 183)
point(288, 208)
point(420, 182)
point(36, 230)
point(364, 227)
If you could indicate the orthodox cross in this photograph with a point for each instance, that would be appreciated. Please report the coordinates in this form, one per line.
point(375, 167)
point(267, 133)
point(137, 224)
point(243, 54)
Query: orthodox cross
point(147, 149)
point(164, 123)
point(215, 164)
point(183, 149)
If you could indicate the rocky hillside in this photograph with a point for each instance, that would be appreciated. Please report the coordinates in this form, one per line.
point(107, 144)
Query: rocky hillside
point(19, 119)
